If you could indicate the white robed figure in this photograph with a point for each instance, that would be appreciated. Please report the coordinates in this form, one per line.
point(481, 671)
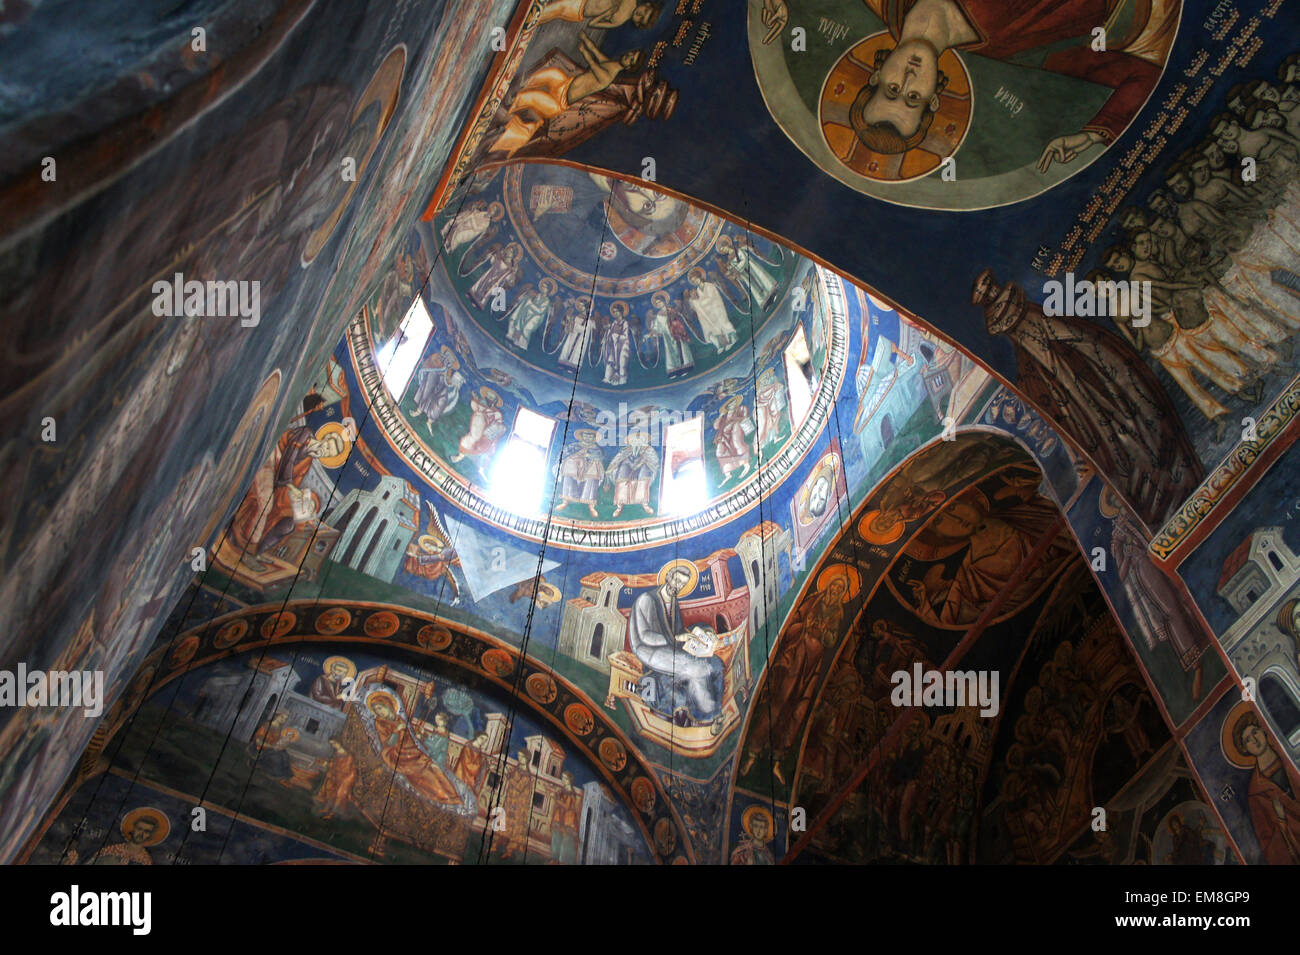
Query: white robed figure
point(529, 313)
point(746, 268)
point(439, 384)
point(470, 224)
point(666, 322)
point(577, 331)
point(711, 310)
point(616, 348)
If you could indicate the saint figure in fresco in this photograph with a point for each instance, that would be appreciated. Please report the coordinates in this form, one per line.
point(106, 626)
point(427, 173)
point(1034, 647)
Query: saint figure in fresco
point(438, 386)
point(616, 347)
point(486, 427)
point(403, 754)
point(501, 275)
point(666, 323)
point(259, 525)
point(1273, 797)
point(581, 470)
point(470, 223)
point(602, 14)
point(710, 309)
point(893, 112)
point(694, 682)
point(793, 674)
point(529, 313)
point(549, 91)
point(328, 688)
point(632, 471)
point(1100, 392)
point(731, 446)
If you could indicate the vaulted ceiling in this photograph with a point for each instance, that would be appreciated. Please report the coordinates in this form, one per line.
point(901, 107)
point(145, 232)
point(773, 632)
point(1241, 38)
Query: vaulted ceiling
point(632, 424)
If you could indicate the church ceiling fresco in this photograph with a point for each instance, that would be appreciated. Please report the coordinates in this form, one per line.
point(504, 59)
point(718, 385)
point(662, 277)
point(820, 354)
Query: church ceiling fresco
point(414, 774)
point(666, 381)
point(259, 118)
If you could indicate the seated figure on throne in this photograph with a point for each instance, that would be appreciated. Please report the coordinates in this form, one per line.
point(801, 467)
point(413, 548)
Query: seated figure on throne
point(686, 681)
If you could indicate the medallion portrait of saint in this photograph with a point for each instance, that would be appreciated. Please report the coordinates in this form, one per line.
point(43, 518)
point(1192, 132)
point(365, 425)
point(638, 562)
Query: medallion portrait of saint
point(965, 104)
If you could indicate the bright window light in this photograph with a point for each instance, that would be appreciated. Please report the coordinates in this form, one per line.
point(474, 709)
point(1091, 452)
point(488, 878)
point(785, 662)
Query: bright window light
point(519, 473)
point(399, 356)
point(799, 373)
point(685, 490)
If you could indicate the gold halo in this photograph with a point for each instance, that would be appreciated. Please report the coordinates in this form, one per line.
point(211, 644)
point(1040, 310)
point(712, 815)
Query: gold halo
point(847, 78)
point(1108, 503)
point(162, 823)
point(893, 533)
point(384, 88)
point(334, 427)
point(747, 821)
point(685, 565)
point(429, 543)
point(850, 576)
point(386, 696)
point(330, 661)
point(1229, 745)
point(827, 466)
point(1286, 615)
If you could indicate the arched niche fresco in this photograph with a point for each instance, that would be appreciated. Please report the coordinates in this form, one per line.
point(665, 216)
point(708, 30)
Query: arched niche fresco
point(216, 165)
point(375, 733)
point(956, 562)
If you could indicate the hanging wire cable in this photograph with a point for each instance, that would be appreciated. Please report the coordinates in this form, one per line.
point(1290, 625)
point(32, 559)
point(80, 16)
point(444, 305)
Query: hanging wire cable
point(503, 756)
point(171, 645)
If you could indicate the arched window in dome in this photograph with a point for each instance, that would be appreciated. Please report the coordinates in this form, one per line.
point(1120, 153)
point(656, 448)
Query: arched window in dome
point(399, 357)
point(799, 373)
point(519, 475)
point(684, 488)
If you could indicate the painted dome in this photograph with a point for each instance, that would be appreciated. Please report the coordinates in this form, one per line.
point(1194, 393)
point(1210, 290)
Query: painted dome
point(650, 366)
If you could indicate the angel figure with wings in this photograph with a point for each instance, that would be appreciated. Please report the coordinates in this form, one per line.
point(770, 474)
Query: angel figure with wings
point(579, 331)
point(431, 556)
point(529, 313)
point(749, 271)
point(705, 299)
point(468, 225)
point(665, 323)
point(503, 272)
